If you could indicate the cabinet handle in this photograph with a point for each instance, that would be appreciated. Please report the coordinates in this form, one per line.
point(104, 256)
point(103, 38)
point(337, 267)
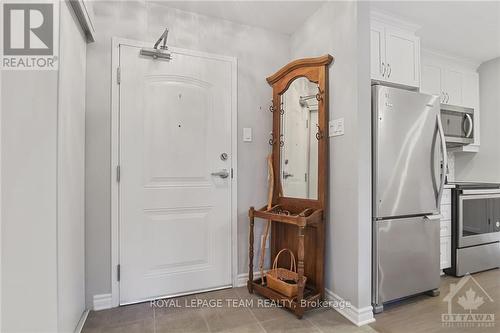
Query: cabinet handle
point(447, 97)
point(383, 69)
point(443, 97)
point(390, 70)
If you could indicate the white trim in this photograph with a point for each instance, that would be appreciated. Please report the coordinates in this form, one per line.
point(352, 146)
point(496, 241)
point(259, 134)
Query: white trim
point(390, 19)
point(462, 61)
point(102, 302)
point(81, 322)
point(115, 109)
point(242, 279)
point(358, 317)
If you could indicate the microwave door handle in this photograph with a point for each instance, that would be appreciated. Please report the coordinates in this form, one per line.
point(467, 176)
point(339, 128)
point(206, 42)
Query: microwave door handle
point(445, 160)
point(468, 132)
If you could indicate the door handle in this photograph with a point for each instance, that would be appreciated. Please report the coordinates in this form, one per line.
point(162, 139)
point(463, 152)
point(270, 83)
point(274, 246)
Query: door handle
point(468, 131)
point(222, 174)
point(445, 160)
point(286, 175)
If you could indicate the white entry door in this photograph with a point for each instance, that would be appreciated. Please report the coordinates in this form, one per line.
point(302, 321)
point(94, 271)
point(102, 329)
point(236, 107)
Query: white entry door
point(175, 215)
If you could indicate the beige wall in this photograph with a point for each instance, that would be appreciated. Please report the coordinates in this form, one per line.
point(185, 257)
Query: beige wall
point(342, 29)
point(259, 53)
point(484, 166)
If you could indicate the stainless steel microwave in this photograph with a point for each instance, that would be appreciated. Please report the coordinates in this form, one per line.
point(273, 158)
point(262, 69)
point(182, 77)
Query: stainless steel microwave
point(458, 125)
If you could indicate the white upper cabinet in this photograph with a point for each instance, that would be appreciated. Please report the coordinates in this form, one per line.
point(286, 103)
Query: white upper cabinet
point(395, 53)
point(456, 81)
point(402, 57)
point(432, 80)
point(453, 85)
point(377, 51)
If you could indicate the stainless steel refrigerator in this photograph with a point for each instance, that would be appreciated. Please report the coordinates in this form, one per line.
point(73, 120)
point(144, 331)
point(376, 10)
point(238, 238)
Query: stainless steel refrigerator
point(408, 154)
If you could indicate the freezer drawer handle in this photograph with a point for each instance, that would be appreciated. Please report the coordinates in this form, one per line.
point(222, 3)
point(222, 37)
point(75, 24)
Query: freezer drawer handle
point(431, 218)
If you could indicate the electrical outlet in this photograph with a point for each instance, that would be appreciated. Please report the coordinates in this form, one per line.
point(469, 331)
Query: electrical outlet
point(336, 127)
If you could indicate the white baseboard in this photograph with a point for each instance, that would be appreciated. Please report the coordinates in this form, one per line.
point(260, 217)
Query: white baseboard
point(243, 279)
point(358, 317)
point(102, 302)
point(79, 327)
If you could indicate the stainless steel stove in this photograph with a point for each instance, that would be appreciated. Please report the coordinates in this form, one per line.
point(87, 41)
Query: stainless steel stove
point(475, 228)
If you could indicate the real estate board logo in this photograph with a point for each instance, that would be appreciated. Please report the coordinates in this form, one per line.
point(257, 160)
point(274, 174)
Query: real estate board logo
point(29, 38)
point(468, 303)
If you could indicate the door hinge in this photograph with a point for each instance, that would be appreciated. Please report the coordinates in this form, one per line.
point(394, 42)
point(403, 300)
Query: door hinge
point(231, 173)
point(118, 173)
point(118, 75)
point(118, 272)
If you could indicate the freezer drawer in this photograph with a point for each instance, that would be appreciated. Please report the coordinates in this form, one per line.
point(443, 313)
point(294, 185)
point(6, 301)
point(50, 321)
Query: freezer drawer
point(407, 253)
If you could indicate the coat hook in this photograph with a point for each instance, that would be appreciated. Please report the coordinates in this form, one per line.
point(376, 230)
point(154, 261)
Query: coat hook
point(272, 141)
point(319, 95)
point(319, 134)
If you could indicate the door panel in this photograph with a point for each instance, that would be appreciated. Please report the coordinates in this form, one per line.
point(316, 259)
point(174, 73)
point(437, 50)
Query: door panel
point(432, 78)
point(175, 230)
point(403, 57)
point(377, 50)
point(404, 129)
point(408, 257)
point(453, 86)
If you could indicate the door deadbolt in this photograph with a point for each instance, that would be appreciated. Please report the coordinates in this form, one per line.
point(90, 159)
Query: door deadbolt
point(224, 156)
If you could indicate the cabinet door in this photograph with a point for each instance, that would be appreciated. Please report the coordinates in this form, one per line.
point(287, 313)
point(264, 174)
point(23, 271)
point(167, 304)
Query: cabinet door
point(453, 86)
point(432, 80)
point(377, 51)
point(403, 57)
point(445, 261)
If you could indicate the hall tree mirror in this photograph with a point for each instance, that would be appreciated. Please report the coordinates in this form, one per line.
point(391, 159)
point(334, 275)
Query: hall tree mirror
point(294, 212)
point(299, 145)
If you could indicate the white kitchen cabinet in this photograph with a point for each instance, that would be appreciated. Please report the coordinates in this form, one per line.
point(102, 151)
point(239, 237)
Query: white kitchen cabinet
point(453, 86)
point(445, 232)
point(432, 80)
point(445, 260)
point(456, 81)
point(377, 51)
point(395, 54)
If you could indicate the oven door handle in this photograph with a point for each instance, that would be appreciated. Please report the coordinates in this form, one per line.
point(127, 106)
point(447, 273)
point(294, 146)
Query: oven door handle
point(445, 160)
point(468, 131)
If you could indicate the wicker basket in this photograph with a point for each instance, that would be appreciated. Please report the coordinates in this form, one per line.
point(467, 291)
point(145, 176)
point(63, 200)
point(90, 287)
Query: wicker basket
point(276, 277)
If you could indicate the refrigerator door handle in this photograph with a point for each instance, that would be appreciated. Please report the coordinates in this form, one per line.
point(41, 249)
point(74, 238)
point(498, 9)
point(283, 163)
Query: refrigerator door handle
point(445, 160)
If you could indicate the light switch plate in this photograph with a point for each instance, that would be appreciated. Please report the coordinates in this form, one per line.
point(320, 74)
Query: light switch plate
point(336, 127)
point(247, 134)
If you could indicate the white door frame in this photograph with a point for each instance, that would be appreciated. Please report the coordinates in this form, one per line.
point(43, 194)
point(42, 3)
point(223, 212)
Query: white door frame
point(115, 142)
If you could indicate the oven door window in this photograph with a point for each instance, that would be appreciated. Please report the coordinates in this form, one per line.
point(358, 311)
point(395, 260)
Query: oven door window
point(475, 217)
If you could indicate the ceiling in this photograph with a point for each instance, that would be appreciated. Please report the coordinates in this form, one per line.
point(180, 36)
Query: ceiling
point(466, 29)
point(279, 16)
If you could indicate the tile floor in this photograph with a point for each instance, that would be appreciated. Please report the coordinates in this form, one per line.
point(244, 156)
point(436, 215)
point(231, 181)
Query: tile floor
point(418, 314)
